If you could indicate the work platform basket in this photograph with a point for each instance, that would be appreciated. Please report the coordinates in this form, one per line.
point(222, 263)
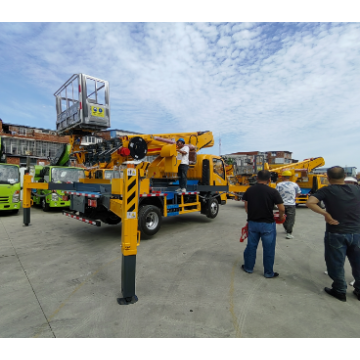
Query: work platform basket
point(82, 104)
point(248, 164)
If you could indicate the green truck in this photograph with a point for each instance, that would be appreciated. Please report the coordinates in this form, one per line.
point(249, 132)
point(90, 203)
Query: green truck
point(9, 184)
point(54, 174)
point(10, 187)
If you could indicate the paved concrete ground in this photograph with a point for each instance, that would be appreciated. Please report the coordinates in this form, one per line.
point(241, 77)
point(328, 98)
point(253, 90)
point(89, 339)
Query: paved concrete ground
point(61, 278)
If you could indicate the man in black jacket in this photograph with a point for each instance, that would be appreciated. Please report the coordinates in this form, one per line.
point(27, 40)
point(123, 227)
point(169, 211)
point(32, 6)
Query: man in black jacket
point(342, 235)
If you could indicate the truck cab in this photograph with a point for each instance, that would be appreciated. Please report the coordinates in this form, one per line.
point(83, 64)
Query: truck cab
point(309, 184)
point(54, 174)
point(106, 174)
point(9, 187)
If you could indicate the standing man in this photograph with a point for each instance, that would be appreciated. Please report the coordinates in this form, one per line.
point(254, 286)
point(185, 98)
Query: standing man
point(342, 235)
point(183, 151)
point(259, 204)
point(351, 180)
point(288, 191)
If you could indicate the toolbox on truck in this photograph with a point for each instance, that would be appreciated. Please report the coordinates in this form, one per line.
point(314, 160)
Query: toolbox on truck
point(82, 103)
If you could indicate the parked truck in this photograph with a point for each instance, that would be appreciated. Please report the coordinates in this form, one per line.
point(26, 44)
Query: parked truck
point(9, 185)
point(48, 199)
point(57, 172)
point(243, 169)
point(302, 174)
point(157, 198)
point(81, 109)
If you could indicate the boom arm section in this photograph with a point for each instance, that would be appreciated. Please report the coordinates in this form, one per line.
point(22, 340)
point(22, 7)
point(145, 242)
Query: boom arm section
point(307, 164)
point(115, 151)
point(156, 142)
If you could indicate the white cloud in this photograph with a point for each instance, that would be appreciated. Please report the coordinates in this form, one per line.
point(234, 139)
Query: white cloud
point(224, 41)
point(262, 86)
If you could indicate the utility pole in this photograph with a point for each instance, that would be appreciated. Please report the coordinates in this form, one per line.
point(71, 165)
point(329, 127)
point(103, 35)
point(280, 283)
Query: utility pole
point(219, 145)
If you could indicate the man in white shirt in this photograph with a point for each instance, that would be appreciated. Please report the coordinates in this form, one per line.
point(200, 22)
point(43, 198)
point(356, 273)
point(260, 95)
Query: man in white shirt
point(183, 155)
point(288, 191)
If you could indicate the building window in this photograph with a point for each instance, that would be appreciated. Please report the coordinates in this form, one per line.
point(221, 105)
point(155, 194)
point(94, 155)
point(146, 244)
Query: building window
point(22, 131)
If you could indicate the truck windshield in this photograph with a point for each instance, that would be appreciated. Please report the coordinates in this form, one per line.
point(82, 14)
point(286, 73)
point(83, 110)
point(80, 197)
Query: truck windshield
point(9, 174)
point(324, 181)
point(110, 174)
point(63, 175)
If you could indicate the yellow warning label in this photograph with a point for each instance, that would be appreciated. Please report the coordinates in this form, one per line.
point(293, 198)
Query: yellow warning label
point(131, 215)
point(97, 111)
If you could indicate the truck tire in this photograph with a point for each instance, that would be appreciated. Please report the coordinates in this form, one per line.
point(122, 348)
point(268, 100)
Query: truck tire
point(112, 220)
point(45, 206)
point(213, 209)
point(149, 219)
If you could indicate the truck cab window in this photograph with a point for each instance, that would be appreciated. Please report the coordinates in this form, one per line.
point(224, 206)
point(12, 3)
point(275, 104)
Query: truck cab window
point(219, 168)
point(98, 174)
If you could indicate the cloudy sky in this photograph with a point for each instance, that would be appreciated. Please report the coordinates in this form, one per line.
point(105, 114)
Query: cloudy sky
point(258, 86)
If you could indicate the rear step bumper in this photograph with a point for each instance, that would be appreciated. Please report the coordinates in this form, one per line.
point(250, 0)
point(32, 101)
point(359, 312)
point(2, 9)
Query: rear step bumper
point(81, 218)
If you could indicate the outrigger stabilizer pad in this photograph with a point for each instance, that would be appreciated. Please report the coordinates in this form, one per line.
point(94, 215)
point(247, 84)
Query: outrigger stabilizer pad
point(128, 300)
point(26, 215)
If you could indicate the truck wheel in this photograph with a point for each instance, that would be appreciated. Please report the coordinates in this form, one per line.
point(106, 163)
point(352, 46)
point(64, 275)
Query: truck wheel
point(45, 206)
point(213, 209)
point(149, 219)
point(112, 220)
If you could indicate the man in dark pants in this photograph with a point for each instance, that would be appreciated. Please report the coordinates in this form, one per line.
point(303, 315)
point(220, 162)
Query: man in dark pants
point(183, 151)
point(342, 235)
point(288, 191)
point(259, 204)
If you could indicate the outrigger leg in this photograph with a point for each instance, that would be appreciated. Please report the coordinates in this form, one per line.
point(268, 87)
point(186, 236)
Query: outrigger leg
point(130, 238)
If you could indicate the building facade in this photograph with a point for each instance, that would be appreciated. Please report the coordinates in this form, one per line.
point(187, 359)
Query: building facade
point(22, 142)
point(271, 157)
point(279, 157)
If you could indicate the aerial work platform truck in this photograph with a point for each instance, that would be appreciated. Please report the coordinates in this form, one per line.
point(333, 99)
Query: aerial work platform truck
point(243, 170)
point(83, 107)
point(141, 192)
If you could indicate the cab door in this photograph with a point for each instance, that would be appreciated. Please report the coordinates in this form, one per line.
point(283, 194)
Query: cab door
point(98, 174)
point(219, 177)
point(218, 173)
point(47, 174)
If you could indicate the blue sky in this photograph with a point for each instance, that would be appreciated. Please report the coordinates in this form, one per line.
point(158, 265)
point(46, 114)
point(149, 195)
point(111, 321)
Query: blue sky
point(260, 86)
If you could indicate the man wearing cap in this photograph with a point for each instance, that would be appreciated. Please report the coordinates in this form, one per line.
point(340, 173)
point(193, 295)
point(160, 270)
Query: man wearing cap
point(183, 155)
point(288, 191)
